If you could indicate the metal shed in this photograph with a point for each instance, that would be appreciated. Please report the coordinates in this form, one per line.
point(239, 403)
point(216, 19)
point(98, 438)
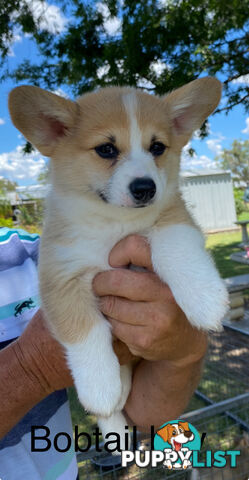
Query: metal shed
point(209, 196)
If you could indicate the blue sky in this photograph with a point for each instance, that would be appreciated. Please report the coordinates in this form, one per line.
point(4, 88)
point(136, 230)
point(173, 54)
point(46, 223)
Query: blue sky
point(25, 169)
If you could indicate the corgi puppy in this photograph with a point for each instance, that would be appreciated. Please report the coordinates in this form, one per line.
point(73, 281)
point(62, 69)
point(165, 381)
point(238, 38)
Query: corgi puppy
point(115, 171)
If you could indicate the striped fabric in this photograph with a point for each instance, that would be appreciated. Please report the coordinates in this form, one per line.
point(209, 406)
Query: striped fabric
point(19, 300)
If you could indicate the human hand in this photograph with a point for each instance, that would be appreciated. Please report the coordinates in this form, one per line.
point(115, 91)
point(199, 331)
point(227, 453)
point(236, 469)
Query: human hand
point(142, 310)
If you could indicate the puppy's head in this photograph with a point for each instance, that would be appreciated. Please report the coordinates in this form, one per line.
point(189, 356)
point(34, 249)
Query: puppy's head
point(120, 146)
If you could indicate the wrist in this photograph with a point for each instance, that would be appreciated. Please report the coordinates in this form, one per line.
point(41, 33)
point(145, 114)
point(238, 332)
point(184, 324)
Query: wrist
point(30, 365)
point(193, 355)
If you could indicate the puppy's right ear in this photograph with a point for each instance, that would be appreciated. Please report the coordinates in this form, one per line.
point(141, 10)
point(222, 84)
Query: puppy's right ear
point(43, 117)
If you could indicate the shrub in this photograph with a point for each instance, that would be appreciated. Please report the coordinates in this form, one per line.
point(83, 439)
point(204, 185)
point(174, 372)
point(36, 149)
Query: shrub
point(239, 203)
point(6, 222)
point(32, 214)
point(5, 209)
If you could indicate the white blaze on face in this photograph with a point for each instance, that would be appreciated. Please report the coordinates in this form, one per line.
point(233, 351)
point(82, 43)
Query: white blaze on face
point(138, 162)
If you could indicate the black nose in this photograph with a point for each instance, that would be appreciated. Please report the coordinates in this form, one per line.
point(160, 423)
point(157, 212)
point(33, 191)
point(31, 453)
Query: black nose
point(143, 189)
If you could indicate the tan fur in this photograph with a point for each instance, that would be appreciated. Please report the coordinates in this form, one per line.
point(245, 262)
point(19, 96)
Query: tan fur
point(68, 132)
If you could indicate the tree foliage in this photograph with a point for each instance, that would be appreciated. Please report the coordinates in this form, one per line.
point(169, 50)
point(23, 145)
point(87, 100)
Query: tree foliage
point(14, 15)
point(6, 186)
point(238, 194)
point(159, 45)
point(237, 161)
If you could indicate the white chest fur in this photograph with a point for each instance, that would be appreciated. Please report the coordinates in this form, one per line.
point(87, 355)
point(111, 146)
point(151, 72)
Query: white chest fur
point(89, 235)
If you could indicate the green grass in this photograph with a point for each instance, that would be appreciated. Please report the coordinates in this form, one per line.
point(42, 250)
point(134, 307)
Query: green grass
point(221, 246)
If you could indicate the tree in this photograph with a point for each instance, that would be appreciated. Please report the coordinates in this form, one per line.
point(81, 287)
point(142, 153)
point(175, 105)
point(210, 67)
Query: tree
point(22, 17)
point(236, 160)
point(6, 186)
point(153, 44)
point(5, 206)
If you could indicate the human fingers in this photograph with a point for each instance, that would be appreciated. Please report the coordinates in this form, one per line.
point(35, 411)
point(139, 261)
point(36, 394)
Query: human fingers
point(134, 250)
point(126, 311)
point(136, 286)
point(128, 334)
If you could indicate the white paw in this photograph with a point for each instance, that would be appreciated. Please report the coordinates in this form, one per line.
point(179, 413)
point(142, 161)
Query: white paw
point(116, 424)
point(204, 303)
point(180, 260)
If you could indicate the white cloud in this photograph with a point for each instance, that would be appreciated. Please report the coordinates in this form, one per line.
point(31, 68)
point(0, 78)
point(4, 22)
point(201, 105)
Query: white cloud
point(158, 67)
point(18, 166)
point(143, 83)
point(9, 43)
point(195, 161)
point(102, 71)
point(112, 25)
point(2, 121)
point(120, 65)
point(246, 130)
point(60, 93)
point(215, 144)
point(47, 17)
point(244, 79)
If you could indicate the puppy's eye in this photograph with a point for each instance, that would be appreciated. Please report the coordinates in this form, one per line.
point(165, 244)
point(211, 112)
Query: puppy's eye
point(174, 432)
point(157, 148)
point(107, 150)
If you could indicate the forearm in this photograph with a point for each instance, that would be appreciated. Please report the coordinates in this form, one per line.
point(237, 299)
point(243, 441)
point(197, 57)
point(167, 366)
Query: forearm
point(31, 368)
point(20, 388)
point(161, 391)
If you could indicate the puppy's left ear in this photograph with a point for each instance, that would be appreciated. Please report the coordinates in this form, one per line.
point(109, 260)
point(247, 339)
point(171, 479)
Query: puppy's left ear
point(190, 105)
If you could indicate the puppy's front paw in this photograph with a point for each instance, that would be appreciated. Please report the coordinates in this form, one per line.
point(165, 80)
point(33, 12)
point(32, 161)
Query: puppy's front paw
point(205, 303)
point(116, 424)
point(96, 371)
point(180, 260)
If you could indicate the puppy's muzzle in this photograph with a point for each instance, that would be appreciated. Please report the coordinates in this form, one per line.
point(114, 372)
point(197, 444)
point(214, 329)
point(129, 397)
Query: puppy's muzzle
point(143, 190)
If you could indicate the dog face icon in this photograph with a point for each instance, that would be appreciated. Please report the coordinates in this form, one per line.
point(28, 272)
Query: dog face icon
point(176, 434)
